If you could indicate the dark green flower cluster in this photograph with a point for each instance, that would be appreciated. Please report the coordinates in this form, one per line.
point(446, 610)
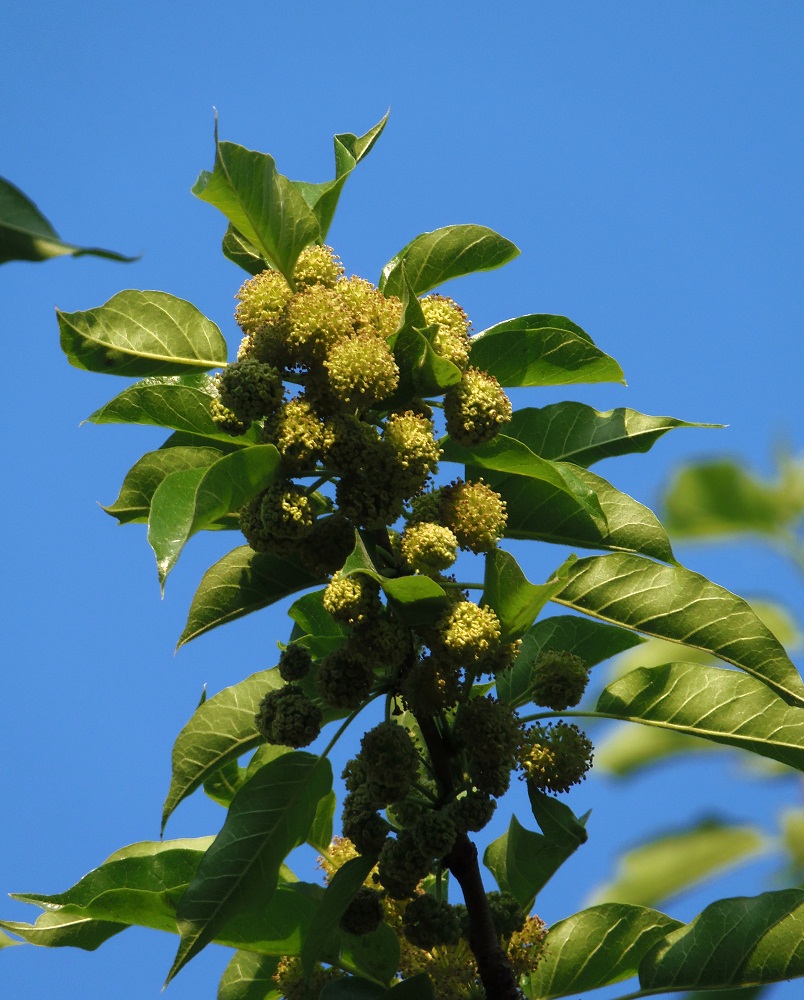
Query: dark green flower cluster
point(490, 733)
point(291, 982)
point(288, 717)
point(364, 914)
point(295, 662)
point(555, 757)
point(560, 679)
point(429, 922)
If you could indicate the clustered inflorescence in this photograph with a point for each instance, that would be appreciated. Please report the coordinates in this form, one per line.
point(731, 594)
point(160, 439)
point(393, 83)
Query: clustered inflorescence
point(357, 453)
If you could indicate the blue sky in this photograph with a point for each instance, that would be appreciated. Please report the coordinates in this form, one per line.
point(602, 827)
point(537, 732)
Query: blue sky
point(645, 157)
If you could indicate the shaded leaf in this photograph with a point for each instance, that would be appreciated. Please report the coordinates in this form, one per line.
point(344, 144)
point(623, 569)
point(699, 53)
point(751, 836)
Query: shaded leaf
point(179, 402)
point(142, 333)
point(223, 783)
point(220, 730)
point(134, 500)
point(433, 258)
point(242, 582)
point(249, 976)
point(190, 500)
point(734, 942)
point(542, 350)
point(515, 600)
point(416, 988)
point(724, 706)
point(663, 867)
point(574, 432)
point(671, 602)
point(592, 641)
point(269, 816)
point(25, 234)
point(352, 988)
point(264, 206)
point(375, 955)
point(506, 454)
point(314, 627)
point(239, 251)
point(538, 510)
point(601, 945)
point(320, 835)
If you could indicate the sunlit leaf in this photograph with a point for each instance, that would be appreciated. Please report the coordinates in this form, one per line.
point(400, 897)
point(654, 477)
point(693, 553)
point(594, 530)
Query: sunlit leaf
point(671, 602)
point(25, 234)
point(512, 597)
point(142, 333)
point(542, 350)
point(249, 976)
point(436, 257)
point(595, 947)
point(669, 864)
point(314, 627)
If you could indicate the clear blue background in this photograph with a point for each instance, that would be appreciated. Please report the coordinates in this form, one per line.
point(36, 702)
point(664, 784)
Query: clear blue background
point(645, 157)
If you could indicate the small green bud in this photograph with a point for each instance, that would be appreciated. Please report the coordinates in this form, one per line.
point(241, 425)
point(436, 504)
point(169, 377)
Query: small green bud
point(325, 549)
point(429, 922)
point(352, 599)
point(383, 642)
point(343, 679)
point(295, 661)
point(451, 340)
point(506, 913)
point(434, 833)
point(490, 733)
point(476, 408)
point(428, 548)
point(555, 757)
point(250, 389)
point(364, 914)
point(317, 265)
point(560, 680)
point(475, 513)
point(287, 717)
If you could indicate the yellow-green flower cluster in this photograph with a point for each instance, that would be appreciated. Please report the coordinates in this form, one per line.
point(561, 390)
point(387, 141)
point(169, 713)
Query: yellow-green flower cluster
point(560, 679)
point(288, 717)
point(555, 757)
point(352, 599)
point(428, 548)
point(451, 339)
point(476, 408)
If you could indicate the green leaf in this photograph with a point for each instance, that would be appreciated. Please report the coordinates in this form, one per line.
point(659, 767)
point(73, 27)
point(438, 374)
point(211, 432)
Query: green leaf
point(629, 749)
point(711, 499)
point(249, 976)
point(237, 249)
point(515, 600)
point(592, 641)
point(25, 234)
point(6, 941)
point(417, 988)
point(338, 895)
point(180, 403)
point(276, 927)
point(350, 149)
point(190, 500)
point(724, 706)
point(242, 582)
point(265, 207)
point(352, 988)
point(220, 730)
point(223, 783)
point(734, 942)
point(574, 432)
point(506, 454)
point(315, 627)
point(436, 257)
point(375, 955)
point(269, 816)
point(671, 602)
point(320, 835)
point(537, 510)
point(64, 929)
point(142, 333)
point(663, 867)
point(595, 947)
point(134, 500)
point(542, 350)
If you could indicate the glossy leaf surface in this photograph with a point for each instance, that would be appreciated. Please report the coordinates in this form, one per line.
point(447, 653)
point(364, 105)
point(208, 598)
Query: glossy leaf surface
point(249, 976)
point(436, 257)
point(314, 627)
point(592, 641)
point(190, 500)
point(734, 942)
point(269, 816)
point(542, 350)
point(142, 333)
point(600, 945)
point(661, 868)
point(574, 432)
point(25, 234)
point(515, 600)
point(242, 582)
point(671, 602)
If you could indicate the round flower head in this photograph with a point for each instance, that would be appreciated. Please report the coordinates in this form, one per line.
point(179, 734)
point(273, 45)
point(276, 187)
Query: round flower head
point(352, 599)
point(555, 757)
point(281, 513)
point(434, 833)
point(525, 946)
point(361, 370)
point(561, 680)
point(250, 389)
point(317, 265)
point(475, 513)
point(343, 679)
point(451, 340)
point(355, 446)
point(368, 307)
point(313, 322)
point(402, 866)
point(295, 661)
point(288, 717)
point(472, 811)
point(506, 913)
point(362, 824)
point(429, 922)
point(291, 981)
point(409, 437)
point(325, 549)
point(261, 301)
point(490, 734)
point(364, 914)
point(476, 408)
point(432, 686)
point(390, 762)
point(467, 633)
point(226, 420)
point(428, 548)
point(383, 642)
point(299, 434)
